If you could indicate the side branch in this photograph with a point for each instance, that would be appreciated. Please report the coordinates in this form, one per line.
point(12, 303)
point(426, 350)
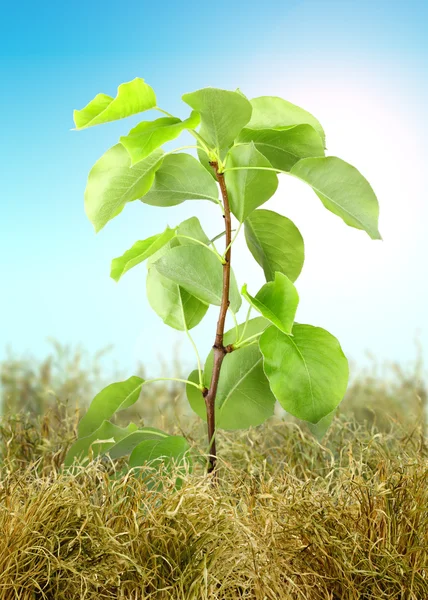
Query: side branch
point(219, 349)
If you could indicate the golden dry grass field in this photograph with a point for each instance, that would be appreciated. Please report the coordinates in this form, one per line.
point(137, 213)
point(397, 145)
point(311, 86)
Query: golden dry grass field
point(292, 517)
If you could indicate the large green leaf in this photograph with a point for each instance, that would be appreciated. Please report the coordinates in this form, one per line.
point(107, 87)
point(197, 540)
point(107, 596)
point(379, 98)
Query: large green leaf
point(276, 243)
point(132, 97)
point(308, 373)
point(174, 305)
point(127, 444)
point(243, 396)
point(271, 112)
point(171, 448)
point(112, 182)
point(198, 271)
point(283, 148)
point(343, 190)
point(139, 252)
point(143, 139)
point(181, 177)
point(277, 301)
point(114, 397)
point(223, 115)
point(248, 188)
point(99, 441)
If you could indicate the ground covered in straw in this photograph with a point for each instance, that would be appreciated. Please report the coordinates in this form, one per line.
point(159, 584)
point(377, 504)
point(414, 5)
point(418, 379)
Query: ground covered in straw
point(290, 518)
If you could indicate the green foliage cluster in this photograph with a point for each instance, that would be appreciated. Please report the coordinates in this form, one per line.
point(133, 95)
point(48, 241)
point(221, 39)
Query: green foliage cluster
point(242, 147)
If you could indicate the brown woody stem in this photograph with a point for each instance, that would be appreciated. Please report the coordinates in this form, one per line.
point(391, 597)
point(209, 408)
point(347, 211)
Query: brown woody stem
point(219, 349)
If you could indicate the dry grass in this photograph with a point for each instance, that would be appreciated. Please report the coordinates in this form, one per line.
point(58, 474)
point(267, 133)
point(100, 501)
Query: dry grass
point(291, 518)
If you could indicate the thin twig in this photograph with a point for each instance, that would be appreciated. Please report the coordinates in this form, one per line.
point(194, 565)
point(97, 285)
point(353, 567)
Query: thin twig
point(219, 350)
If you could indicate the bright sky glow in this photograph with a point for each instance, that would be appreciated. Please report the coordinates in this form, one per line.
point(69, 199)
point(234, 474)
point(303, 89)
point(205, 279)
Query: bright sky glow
point(359, 67)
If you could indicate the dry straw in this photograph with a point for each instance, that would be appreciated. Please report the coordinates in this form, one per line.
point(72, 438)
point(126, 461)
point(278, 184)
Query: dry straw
point(290, 519)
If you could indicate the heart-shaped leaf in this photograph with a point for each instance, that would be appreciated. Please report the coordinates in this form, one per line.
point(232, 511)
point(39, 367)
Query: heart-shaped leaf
point(175, 306)
point(308, 373)
point(277, 301)
point(199, 271)
point(223, 115)
point(276, 243)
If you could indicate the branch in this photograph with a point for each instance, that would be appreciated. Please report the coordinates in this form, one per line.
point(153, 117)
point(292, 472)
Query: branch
point(219, 350)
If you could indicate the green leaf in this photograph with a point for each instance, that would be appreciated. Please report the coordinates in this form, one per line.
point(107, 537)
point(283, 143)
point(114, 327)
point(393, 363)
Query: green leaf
point(172, 448)
point(112, 182)
point(191, 228)
point(271, 112)
point(276, 243)
point(243, 396)
point(248, 188)
point(132, 97)
point(319, 429)
point(223, 115)
point(308, 373)
point(172, 243)
point(276, 301)
point(283, 148)
point(343, 190)
point(181, 177)
point(113, 398)
point(143, 139)
point(127, 444)
point(139, 252)
point(174, 305)
point(99, 441)
point(200, 272)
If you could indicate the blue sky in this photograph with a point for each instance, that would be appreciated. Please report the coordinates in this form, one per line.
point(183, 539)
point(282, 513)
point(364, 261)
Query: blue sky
point(360, 67)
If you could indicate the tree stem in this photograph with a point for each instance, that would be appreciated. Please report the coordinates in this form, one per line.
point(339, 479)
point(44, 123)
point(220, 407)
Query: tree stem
point(218, 348)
